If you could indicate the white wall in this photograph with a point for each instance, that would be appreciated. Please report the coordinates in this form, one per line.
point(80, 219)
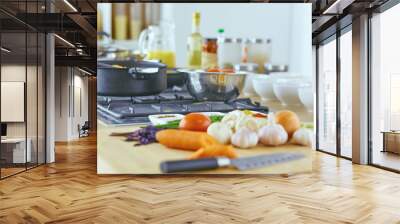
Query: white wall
point(288, 25)
point(33, 126)
point(16, 73)
point(300, 48)
point(70, 83)
point(61, 103)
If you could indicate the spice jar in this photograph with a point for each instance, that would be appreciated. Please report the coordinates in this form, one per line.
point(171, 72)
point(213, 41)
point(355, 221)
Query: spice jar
point(209, 58)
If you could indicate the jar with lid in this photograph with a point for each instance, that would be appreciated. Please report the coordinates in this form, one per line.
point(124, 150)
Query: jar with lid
point(229, 52)
point(209, 58)
point(259, 52)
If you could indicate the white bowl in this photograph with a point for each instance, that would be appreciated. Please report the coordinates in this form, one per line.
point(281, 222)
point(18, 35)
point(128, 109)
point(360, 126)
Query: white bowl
point(306, 96)
point(285, 75)
point(262, 85)
point(248, 88)
point(285, 90)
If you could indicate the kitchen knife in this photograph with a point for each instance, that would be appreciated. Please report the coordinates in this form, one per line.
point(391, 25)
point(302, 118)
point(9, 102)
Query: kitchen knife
point(244, 163)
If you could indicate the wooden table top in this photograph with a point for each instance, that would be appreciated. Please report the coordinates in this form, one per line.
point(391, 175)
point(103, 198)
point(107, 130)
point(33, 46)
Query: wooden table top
point(116, 156)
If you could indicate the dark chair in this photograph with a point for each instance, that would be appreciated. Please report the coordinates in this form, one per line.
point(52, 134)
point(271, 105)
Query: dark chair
point(84, 130)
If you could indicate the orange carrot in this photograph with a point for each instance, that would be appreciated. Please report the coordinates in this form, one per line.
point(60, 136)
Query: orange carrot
point(186, 140)
point(215, 150)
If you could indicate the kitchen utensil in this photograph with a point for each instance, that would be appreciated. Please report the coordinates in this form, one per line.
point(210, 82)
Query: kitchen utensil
point(285, 90)
point(215, 86)
point(250, 69)
point(130, 78)
point(244, 163)
point(263, 87)
point(306, 96)
point(159, 119)
point(158, 42)
point(271, 68)
point(212, 113)
point(176, 78)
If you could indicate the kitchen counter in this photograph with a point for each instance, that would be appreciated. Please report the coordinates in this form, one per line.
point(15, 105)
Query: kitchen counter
point(116, 156)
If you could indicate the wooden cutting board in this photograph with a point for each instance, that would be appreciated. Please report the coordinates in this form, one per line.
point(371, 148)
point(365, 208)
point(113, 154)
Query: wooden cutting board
point(116, 156)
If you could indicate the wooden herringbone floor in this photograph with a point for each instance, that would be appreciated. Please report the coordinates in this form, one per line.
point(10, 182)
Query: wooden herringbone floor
point(69, 191)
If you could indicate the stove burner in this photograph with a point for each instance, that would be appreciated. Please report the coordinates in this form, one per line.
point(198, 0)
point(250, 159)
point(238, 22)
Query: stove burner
point(133, 110)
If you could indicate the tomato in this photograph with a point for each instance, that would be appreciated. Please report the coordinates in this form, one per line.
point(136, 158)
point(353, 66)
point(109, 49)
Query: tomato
point(195, 122)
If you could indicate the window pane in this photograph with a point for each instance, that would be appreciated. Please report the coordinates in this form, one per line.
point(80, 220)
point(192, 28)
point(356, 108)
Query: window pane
point(327, 97)
point(346, 94)
point(386, 89)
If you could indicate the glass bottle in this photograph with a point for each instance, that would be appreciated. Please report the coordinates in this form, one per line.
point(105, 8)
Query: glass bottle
point(194, 45)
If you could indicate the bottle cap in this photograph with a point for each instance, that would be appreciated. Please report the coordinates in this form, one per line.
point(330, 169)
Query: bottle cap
point(221, 30)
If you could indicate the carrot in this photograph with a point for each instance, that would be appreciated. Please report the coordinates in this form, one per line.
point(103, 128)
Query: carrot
point(186, 140)
point(215, 150)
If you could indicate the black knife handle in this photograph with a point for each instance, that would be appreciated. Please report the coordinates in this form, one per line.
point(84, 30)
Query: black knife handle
point(189, 165)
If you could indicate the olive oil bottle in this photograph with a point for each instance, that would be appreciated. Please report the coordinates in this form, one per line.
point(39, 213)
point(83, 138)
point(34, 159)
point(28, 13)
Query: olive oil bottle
point(195, 42)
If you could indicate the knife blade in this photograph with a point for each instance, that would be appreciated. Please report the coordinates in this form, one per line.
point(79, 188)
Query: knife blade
point(244, 163)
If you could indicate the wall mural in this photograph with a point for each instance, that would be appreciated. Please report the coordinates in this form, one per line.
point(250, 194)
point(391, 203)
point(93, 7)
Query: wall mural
point(183, 88)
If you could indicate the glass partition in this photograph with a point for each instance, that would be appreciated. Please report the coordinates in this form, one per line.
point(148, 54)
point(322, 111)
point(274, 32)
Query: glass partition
point(327, 97)
point(346, 94)
point(22, 88)
point(14, 152)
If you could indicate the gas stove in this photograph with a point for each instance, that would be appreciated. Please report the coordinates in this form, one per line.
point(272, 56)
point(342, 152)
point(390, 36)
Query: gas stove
point(135, 110)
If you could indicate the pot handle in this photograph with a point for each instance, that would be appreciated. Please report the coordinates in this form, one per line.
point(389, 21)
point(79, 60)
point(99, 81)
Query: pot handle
point(142, 73)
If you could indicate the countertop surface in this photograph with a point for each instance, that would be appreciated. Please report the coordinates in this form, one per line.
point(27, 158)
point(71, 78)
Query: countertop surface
point(116, 156)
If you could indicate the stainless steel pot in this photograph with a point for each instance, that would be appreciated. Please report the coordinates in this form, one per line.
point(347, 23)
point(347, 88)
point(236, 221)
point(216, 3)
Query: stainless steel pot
point(214, 86)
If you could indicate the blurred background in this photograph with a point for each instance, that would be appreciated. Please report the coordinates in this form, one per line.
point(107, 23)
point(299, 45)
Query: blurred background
point(289, 37)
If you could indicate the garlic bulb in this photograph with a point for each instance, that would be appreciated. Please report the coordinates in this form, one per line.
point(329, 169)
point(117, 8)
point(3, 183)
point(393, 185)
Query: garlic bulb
point(261, 122)
point(232, 118)
point(220, 131)
point(302, 136)
point(244, 138)
point(273, 134)
point(247, 122)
